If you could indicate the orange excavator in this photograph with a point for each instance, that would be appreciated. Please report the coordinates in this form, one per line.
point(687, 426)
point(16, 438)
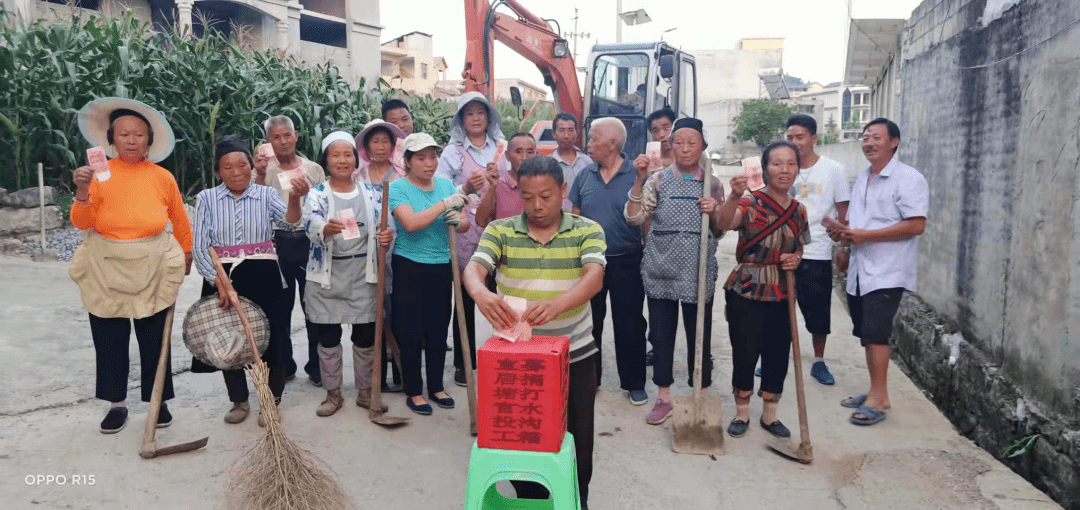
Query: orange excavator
point(623, 80)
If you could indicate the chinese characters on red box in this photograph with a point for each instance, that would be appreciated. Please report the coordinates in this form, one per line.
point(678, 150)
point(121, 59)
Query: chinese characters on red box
point(522, 393)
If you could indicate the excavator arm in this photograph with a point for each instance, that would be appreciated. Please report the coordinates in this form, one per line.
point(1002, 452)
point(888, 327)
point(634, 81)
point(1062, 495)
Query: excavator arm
point(529, 36)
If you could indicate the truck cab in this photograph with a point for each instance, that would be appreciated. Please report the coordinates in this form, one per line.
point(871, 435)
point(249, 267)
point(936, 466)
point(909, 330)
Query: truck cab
point(631, 80)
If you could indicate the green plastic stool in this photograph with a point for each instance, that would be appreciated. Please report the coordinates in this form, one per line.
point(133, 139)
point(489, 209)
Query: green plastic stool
point(555, 471)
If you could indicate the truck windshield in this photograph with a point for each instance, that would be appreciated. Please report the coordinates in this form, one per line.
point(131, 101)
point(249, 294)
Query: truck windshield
point(619, 85)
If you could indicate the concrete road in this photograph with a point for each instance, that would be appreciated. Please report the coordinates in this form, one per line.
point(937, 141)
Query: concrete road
point(49, 421)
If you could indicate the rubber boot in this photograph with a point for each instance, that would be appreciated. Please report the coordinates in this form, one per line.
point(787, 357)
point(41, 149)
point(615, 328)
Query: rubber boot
point(330, 369)
point(362, 358)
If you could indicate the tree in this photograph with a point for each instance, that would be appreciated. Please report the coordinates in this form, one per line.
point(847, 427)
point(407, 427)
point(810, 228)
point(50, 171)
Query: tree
point(762, 120)
point(832, 134)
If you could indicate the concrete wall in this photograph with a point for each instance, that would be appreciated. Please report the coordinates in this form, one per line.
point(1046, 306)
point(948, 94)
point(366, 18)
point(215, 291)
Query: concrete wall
point(717, 119)
point(989, 113)
point(108, 8)
point(732, 74)
point(847, 153)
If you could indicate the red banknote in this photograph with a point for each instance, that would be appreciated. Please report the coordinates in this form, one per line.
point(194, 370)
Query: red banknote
point(520, 330)
point(652, 151)
point(95, 156)
point(348, 217)
point(752, 172)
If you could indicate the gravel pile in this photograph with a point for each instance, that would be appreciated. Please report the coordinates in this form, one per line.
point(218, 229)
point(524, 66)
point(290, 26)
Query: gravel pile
point(63, 240)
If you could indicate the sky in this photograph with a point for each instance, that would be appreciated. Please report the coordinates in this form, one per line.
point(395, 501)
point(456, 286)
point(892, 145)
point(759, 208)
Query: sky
point(814, 30)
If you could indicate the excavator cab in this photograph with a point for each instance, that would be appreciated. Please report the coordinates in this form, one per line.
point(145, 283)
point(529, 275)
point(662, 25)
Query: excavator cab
point(631, 80)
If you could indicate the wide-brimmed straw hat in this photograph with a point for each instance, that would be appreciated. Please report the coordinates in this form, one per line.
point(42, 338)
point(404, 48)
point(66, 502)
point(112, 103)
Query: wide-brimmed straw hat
point(216, 337)
point(94, 122)
point(397, 133)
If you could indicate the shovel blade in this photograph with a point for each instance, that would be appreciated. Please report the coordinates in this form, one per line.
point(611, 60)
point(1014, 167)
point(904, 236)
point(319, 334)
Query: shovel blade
point(696, 426)
point(784, 446)
point(389, 421)
point(378, 417)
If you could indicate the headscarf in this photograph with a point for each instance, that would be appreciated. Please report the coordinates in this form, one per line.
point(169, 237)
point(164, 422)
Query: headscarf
point(229, 145)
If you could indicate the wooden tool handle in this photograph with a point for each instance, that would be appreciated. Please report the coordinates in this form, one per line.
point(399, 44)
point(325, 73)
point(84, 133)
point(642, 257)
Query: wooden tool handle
point(804, 427)
point(466, 352)
point(703, 256)
point(380, 302)
point(159, 383)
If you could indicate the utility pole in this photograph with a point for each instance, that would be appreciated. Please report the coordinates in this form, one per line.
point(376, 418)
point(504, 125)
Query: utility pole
point(618, 21)
point(575, 34)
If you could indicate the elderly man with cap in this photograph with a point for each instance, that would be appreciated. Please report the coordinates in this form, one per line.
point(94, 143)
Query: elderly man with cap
point(599, 193)
point(669, 198)
point(237, 218)
point(292, 244)
point(128, 268)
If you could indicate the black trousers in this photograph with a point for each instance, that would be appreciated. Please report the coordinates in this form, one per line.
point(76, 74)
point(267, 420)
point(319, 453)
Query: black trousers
point(758, 329)
point(580, 422)
point(111, 338)
point(329, 335)
point(236, 384)
point(622, 277)
point(664, 321)
point(470, 323)
point(421, 303)
point(292, 249)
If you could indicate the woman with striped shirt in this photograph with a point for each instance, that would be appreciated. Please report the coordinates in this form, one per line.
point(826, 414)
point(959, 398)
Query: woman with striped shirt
point(237, 217)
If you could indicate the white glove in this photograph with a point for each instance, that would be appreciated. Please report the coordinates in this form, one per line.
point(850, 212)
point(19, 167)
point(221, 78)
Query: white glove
point(452, 217)
point(455, 201)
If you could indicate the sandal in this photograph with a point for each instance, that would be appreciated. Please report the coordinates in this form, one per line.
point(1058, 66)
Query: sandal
point(857, 401)
point(870, 416)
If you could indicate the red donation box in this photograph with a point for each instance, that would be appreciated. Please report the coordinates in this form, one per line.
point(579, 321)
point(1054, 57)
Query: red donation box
point(522, 390)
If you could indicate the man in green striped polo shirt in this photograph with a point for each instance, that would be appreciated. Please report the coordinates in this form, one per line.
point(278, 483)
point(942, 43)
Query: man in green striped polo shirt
point(555, 260)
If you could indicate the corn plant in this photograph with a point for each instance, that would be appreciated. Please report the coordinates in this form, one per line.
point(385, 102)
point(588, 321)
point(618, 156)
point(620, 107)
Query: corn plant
point(207, 87)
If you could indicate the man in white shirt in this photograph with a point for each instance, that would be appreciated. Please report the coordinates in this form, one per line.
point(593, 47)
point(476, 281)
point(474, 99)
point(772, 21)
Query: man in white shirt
point(889, 202)
point(822, 186)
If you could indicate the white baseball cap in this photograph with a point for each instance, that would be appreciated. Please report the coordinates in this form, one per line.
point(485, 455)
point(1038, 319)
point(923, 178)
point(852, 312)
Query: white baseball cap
point(417, 142)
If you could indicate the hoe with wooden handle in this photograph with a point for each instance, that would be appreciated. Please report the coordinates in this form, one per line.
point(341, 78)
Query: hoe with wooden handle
point(149, 447)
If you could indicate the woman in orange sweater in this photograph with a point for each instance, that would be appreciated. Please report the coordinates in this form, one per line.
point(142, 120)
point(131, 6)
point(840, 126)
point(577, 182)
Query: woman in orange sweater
point(128, 268)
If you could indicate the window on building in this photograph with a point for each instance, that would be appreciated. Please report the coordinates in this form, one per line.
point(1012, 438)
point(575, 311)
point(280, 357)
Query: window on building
point(85, 4)
point(318, 30)
point(866, 98)
point(856, 99)
point(423, 71)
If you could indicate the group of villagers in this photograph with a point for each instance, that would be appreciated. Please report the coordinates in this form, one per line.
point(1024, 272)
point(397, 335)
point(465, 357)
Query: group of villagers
point(129, 268)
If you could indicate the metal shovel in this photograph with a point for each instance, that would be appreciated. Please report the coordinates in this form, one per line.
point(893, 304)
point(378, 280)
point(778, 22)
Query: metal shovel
point(697, 418)
point(375, 411)
point(803, 452)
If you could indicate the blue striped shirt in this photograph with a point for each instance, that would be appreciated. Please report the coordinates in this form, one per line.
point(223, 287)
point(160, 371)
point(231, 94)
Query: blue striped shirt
point(221, 219)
